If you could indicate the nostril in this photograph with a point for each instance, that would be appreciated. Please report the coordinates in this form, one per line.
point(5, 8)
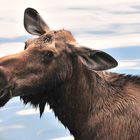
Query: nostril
point(3, 79)
point(5, 96)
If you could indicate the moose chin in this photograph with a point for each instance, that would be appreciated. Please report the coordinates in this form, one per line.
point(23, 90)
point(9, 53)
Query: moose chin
point(54, 69)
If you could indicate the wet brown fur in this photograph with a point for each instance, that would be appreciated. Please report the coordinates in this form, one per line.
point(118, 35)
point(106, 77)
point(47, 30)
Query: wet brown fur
point(92, 105)
point(98, 105)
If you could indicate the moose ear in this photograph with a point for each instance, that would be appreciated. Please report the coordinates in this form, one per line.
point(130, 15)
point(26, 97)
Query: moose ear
point(96, 60)
point(33, 22)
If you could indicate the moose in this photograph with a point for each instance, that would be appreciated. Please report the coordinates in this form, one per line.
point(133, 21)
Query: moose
point(92, 103)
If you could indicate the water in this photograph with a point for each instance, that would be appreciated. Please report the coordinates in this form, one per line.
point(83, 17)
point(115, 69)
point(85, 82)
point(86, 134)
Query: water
point(113, 26)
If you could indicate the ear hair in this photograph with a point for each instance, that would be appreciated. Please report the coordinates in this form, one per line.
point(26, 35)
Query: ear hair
point(33, 22)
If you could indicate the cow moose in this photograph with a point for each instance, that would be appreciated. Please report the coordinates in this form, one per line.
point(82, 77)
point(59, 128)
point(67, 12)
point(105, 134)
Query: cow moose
point(92, 103)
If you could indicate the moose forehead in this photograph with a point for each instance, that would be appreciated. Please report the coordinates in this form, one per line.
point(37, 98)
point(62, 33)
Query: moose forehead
point(60, 38)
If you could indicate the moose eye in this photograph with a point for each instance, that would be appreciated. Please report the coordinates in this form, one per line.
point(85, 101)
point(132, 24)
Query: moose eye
point(49, 55)
point(47, 39)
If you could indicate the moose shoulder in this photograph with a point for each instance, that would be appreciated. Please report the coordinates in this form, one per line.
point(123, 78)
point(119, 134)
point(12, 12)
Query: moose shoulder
point(54, 69)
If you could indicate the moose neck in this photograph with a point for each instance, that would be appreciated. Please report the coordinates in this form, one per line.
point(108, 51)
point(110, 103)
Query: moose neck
point(73, 101)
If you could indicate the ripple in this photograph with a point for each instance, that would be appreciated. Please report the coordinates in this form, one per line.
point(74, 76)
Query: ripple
point(16, 126)
point(64, 138)
point(31, 111)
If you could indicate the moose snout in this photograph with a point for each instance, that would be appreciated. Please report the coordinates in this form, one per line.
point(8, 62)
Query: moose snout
point(4, 88)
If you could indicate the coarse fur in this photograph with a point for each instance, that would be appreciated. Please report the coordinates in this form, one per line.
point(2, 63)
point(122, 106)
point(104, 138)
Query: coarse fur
point(108, 110)
point(92, 103)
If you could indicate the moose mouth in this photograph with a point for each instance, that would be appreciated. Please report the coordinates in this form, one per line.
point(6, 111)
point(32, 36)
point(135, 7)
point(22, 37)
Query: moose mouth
point(5, 95)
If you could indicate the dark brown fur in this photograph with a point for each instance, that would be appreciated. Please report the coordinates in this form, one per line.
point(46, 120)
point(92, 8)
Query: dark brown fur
point(105, 110)
point(92, 104)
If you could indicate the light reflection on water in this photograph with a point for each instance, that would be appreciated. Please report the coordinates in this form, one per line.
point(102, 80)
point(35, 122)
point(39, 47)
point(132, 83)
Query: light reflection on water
point(112, 26)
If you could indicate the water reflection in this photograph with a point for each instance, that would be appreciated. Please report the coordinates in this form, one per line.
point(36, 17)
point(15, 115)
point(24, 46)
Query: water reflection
point(13, 40)
point(112, 26)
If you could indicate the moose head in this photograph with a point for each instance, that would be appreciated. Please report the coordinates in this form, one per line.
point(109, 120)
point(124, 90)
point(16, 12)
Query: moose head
point(46, 63)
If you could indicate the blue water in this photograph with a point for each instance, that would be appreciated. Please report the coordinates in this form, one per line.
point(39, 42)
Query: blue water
point(113, 27)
